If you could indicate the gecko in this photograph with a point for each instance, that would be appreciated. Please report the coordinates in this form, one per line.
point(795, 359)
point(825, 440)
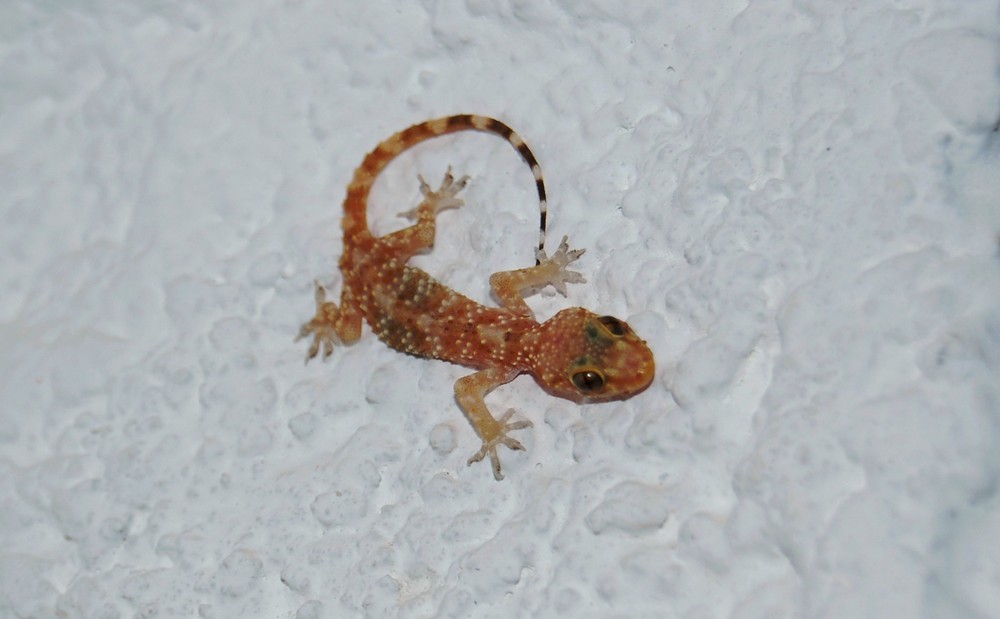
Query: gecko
point(577, 354)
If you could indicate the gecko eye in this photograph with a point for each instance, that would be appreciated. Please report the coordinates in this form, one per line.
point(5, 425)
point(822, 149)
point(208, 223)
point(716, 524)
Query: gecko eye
point(588, 380)
point(613, 325)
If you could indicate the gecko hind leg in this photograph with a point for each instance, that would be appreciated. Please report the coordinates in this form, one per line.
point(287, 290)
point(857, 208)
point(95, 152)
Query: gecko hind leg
point(420, 236)
point(330, 323)
point(443, 198)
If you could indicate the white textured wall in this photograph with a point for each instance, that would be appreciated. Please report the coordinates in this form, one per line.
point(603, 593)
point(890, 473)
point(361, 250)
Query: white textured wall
point(795, 202)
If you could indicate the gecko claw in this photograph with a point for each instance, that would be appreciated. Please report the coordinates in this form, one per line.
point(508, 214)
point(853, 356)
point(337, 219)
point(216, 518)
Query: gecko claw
point(444, 198)
point(319, 327)
point(490, 445)
point(559, 275)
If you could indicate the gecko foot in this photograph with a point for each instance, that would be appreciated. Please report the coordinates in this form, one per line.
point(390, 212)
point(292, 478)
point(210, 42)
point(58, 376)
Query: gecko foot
point(321, 326)
point(499, 437)
point(444, 198)
point(555, 266)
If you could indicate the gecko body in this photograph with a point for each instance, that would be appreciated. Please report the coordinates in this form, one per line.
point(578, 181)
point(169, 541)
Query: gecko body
point(576, 354)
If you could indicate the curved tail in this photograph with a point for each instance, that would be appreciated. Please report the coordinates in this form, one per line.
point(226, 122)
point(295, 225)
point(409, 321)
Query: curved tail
point(355, 204)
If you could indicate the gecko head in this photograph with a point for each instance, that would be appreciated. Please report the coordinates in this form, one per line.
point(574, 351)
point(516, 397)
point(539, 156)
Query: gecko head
point(584, 357)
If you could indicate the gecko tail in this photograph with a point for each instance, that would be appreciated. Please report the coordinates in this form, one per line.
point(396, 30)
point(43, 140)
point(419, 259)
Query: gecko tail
point(355, 217)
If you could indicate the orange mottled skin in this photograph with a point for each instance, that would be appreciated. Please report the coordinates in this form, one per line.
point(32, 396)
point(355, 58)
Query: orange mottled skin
point(576, 354)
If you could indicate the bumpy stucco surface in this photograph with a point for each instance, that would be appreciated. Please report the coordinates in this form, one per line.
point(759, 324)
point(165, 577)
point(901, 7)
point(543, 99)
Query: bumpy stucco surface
point(795, 202)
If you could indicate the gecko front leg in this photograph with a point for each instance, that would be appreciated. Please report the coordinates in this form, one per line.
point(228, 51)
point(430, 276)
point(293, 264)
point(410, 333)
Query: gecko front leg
point(470, 391)
point(510, 287)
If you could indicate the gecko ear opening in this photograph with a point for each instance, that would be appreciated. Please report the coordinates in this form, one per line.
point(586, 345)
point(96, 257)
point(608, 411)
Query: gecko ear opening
point(588, 381)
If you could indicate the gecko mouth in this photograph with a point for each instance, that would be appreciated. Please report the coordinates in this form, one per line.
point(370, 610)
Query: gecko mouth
point(633, 376)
